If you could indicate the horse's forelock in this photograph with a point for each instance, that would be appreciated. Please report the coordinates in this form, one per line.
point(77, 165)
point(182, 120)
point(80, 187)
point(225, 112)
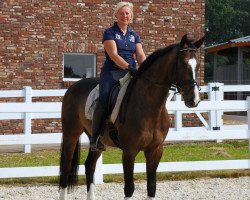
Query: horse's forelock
point(189, 43)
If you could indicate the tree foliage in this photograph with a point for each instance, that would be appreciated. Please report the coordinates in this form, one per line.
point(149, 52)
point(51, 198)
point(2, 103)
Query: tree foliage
point(226, 19)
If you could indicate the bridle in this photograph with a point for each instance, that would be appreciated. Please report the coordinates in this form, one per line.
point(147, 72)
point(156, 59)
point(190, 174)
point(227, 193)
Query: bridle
point(177, 87)
point(179, 84)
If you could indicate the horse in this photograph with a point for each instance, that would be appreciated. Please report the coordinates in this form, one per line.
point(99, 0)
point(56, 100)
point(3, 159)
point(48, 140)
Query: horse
point(146, 121)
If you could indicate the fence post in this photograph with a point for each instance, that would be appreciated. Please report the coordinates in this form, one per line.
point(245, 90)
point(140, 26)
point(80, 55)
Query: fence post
point(248, 121)
point(98, 176)
point(219, 96)
point(178, 115)
point(211, 97)
point(27, 117)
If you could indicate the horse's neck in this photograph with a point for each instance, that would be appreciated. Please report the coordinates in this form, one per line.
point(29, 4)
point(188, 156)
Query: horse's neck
point(155, 86)
point(162, 70)
point(150, 95)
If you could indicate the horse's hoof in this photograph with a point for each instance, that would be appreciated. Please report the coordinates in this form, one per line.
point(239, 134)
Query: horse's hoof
point(63, 194)
point(91, 192)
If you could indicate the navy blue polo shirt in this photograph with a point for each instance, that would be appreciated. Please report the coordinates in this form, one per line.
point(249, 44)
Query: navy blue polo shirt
point(125, 45)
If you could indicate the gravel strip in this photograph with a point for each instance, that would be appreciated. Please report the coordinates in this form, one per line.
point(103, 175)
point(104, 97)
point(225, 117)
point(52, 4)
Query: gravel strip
point(216, 189)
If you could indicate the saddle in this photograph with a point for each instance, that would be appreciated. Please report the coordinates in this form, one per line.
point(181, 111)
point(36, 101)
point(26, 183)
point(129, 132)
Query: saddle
point(116, 97)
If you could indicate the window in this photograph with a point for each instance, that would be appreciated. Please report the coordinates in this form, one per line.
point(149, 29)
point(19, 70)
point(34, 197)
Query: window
point(78, 65)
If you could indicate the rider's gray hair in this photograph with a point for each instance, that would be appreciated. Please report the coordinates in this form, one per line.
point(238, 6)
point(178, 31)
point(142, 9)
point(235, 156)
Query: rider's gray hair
point(120, 5)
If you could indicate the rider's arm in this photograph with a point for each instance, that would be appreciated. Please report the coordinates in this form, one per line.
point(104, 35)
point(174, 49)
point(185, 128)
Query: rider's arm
point(111, 49)
point(139, 53)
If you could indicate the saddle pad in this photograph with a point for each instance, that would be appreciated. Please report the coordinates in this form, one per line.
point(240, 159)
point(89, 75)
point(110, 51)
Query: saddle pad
point(91, 103)
point(94, 95)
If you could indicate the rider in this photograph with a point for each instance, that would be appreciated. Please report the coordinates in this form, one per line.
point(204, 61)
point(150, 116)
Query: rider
point(122, 45)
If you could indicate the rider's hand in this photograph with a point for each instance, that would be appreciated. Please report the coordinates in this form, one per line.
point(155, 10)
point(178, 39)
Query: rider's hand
point(132, 71)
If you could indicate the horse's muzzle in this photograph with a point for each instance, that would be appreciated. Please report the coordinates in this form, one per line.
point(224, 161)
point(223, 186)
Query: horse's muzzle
point(192, 99)
point(192, 103)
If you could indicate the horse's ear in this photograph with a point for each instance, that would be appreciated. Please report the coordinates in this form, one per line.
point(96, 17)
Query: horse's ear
point(198, 43)
point(183, 40)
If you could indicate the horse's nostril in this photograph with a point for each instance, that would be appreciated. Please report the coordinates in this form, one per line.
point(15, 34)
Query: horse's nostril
point(191, 99)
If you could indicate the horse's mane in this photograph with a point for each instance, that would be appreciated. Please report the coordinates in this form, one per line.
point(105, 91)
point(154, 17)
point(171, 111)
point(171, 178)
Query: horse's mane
point(158, 53)
point(154, 56)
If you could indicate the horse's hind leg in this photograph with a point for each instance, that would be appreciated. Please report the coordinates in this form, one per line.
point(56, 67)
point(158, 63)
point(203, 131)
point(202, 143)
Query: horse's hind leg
point(128, 160)
point(153, 157)
point(90, 166)
point(70, 152)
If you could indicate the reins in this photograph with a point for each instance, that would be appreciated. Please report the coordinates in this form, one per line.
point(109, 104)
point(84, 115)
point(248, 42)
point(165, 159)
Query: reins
point(156, 83)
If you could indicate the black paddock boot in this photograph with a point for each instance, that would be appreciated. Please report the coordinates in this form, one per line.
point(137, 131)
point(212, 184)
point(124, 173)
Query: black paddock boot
point(97, 128)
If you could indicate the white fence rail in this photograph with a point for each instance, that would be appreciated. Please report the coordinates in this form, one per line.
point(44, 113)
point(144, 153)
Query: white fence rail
point(213, 129)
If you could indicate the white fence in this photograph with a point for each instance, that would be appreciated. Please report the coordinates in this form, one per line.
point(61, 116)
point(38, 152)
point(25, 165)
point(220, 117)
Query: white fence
point(213, 129)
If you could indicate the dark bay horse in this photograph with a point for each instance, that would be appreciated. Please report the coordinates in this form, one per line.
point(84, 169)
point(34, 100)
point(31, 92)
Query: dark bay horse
point(146, 118)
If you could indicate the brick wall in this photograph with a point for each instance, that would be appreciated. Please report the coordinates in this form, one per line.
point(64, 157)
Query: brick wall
point(35, 34)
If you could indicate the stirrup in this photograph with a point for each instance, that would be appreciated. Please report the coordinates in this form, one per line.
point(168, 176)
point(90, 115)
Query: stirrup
point(97, 145)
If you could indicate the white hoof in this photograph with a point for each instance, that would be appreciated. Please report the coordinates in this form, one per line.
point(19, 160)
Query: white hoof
point(91, 192)
point(150, 198)
point(63, 194)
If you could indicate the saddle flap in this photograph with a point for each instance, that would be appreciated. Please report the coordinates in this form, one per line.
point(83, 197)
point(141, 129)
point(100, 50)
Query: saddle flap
point(91, 103)
point(124, 82)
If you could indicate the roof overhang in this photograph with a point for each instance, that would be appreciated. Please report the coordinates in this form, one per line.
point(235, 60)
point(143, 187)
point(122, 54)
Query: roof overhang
point(223, 46)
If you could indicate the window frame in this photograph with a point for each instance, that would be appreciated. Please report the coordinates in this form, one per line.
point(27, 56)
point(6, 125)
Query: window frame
point(77, 79)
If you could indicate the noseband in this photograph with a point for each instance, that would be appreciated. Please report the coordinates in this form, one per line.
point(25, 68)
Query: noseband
point(177, 87)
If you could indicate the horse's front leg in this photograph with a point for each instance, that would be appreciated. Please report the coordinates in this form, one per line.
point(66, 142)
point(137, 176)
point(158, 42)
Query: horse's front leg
point(128, 160)
point(153, 157)
point(90, 165)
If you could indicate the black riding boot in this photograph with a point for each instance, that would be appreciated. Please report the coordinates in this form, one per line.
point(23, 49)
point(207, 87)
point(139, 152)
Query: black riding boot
point(97, 128)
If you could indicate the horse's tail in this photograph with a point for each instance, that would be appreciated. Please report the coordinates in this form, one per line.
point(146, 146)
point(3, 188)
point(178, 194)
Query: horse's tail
point(69, 171)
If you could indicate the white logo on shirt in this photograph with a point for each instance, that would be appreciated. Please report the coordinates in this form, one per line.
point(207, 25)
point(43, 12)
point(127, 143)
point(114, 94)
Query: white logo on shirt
point(117, 36)
point(132, 38)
